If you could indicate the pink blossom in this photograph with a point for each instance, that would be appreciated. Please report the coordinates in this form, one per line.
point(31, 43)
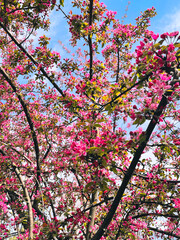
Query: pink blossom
point(177, 203)
point(171, 47)
point(174, 34)
point(155, 36)
point(164, 35)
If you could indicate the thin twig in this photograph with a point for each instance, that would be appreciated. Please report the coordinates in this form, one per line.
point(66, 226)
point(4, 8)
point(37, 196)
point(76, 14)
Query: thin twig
point(164, 232)
point(28, 117)
point(162, 105)
point(14, 149)
point(32, 59)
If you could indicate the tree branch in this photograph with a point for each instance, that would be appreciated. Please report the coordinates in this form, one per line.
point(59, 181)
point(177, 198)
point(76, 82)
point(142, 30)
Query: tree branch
point(164, 232)
point(154, 214)
point(127, 90)
point(15, 150)
point(97, 204)
point(32, 59)
point(28, 201)
point(91, 215)
point(28, 117)
point(47, 152)
point(162, 180)
point(26, 197)
point(90, 38)
point(92, 206)
point(135, 160)
point(117, 72)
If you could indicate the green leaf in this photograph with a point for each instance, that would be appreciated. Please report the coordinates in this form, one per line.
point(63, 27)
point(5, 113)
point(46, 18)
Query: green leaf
point(161, 41)
point(139, 121)
point(89, 185)
point(157, 46)
point(134, 79)
point(140, 85)
point(97, 125)
point(142, 138)
point(114, 170)
point(131, 236)
point(177, 44)
point(62, 3)
point(93, 148)
point(164, 47)
point(108, 108)
point(178, 52)
point(103, 185)
point(104, 162)
point(100, 120)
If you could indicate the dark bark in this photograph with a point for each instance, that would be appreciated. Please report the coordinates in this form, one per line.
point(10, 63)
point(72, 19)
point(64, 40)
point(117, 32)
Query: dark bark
point(32, 59)
point(135, 160)
point(164, 232)
point(90, 39)
point(28, 117)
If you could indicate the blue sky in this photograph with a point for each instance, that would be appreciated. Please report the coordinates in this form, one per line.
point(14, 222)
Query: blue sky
point(167, 19)
point(168, 12)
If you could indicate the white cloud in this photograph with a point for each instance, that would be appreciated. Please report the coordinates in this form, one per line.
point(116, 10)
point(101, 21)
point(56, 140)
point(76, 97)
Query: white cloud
point(58, 25)
point(171, 22)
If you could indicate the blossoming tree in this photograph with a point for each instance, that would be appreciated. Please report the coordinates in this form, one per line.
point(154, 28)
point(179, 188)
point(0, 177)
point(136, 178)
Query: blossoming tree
point(89, 144)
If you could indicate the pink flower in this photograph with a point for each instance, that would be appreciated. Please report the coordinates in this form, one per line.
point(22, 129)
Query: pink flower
point(3, 206)
point(176, 142)
point(155, 36)
point(111, 14)
point(164, 35)
point(174, 34)
point(171, 47)
point(177, 203)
